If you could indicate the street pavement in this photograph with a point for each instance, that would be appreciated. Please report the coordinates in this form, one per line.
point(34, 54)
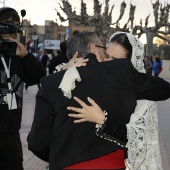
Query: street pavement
point(31, 162)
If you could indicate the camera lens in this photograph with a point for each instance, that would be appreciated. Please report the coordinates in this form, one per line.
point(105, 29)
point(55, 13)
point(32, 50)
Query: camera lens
point(8, 48)
point(3, 46)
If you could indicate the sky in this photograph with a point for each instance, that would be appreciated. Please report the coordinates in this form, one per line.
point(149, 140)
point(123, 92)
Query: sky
point(37, 11)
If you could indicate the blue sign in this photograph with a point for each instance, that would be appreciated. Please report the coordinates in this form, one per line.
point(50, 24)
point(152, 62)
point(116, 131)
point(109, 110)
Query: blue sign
point(67, 31)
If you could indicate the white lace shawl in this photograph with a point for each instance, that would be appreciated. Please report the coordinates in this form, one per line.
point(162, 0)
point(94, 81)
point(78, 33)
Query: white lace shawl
point(142, 134)
point(68, 82)
point(142, 130)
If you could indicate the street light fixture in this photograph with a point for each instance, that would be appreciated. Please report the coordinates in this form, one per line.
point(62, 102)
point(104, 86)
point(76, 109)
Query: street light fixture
point(23, 32)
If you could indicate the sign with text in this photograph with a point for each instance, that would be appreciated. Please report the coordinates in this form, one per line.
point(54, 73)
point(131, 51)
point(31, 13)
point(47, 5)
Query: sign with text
point(52, 44)
point(34, 37)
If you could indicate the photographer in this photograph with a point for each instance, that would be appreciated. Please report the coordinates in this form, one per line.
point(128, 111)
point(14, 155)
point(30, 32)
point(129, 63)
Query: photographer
point(17, 66)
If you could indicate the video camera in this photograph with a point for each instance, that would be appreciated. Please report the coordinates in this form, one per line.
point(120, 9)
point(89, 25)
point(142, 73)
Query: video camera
point(8, 47)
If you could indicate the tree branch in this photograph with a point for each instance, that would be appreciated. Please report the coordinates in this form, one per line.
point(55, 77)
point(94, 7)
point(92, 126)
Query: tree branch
point(163, 38)
point(164, 33)
point(122, 10)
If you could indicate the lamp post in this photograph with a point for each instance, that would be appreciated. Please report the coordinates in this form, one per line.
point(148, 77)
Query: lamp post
point(23, 32)
point(23, 36)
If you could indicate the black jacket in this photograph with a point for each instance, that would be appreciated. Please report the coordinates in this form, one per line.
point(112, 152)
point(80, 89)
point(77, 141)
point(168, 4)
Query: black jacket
point(114, 85)
point(27, 70)
point(56, 60)
point(44, 60)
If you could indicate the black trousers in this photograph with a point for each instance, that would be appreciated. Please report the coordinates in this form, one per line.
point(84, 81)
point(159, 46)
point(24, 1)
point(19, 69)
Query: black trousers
point(11, 155)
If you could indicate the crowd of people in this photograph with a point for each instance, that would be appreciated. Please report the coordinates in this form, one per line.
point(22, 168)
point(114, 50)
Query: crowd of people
point(117, 129)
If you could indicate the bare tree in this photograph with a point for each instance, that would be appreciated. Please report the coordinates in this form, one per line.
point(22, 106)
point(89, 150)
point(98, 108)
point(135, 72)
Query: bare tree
point(126, 27)
point(101, 22)
point(161, 15)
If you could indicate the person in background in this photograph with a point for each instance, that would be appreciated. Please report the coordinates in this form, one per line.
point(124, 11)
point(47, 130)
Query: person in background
point(28, 45)
point(148, 65)
point(48, 65)
point(32, 47)
point(15, 70)
point(58, 51)
point(157, 65)
point(60, 58)
point(37, 57)
point(43, 58)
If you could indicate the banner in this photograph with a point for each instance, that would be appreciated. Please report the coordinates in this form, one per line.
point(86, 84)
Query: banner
point(52, 44)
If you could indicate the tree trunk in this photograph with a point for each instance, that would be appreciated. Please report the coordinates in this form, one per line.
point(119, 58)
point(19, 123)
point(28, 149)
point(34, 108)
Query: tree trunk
point(149, 44)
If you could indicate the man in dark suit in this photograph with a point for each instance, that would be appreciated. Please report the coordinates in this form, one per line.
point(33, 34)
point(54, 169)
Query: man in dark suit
point(55, 138)
point(60, 58)
point(43, 58)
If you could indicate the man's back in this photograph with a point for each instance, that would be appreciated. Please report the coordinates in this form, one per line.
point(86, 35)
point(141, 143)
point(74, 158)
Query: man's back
point(74, 142)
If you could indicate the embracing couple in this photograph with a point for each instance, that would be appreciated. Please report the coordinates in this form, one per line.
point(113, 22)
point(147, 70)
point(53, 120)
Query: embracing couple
point(121, 112)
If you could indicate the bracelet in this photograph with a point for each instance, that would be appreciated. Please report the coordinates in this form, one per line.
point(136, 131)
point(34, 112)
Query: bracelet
point(98, 126)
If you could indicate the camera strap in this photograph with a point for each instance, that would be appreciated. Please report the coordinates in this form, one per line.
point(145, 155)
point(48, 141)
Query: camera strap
point(7, 71)
point(11, 98)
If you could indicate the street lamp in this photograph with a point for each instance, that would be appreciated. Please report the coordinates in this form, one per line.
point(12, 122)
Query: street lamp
point(23, 32)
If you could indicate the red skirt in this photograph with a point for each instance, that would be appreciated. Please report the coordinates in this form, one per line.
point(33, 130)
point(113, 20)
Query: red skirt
point(114, 160)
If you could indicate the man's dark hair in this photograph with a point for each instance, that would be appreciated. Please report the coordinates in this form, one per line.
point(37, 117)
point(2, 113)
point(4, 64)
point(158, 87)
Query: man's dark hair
point(157, 60)
point(58, 51)
point(75, 32)
point(81, 42)
point(7, 13)
point(63, 47)
point(123, 40)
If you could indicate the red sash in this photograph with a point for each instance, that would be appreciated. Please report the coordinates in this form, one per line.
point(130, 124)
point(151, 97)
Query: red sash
point(114, 160)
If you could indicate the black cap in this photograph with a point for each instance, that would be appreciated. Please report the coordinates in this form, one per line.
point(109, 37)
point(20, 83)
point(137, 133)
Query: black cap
point(6, 9)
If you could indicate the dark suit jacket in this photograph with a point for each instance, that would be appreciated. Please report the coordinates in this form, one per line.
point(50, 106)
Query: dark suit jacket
point(56, 60)
point(44, 60)
point(114, 85)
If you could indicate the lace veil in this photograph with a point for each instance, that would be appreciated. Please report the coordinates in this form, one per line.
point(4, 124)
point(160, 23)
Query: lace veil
point(142, 130)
